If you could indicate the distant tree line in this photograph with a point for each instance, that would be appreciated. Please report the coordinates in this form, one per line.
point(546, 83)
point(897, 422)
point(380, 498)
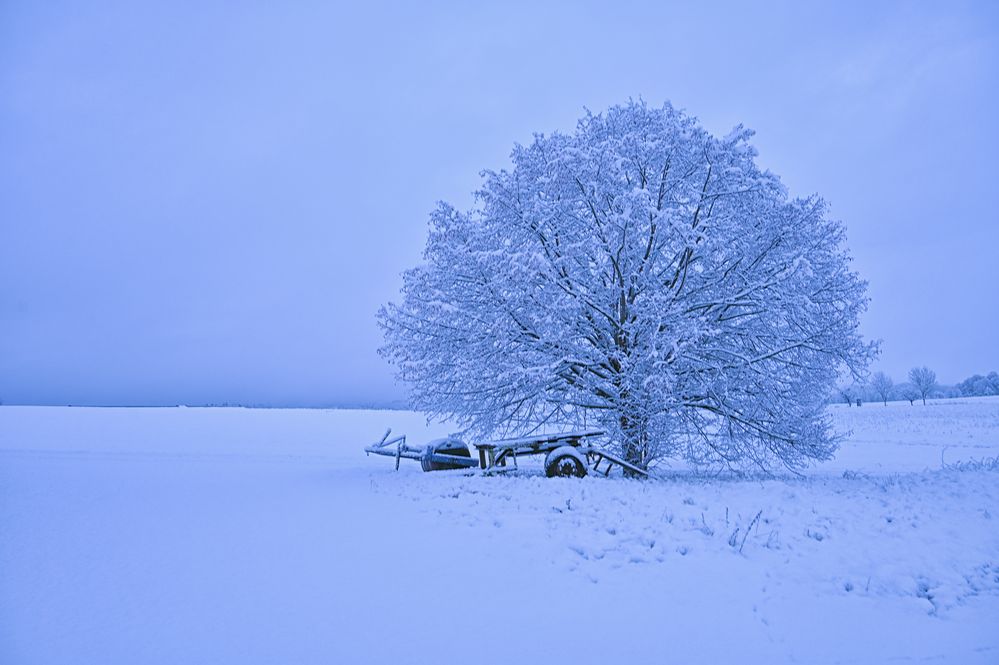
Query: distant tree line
point(978, 385)
point(921, 384)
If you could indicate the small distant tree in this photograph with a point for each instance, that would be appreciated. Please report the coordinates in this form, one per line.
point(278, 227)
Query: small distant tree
point(924, 380)
point(971, 386)
point(883, 386)
point(908, 392)
point(846, 393)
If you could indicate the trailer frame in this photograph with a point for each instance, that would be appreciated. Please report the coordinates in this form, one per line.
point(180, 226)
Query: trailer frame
point(493, 456)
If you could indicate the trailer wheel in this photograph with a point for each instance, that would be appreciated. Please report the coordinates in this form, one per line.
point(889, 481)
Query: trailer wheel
point(565, 462)
point(447, 447)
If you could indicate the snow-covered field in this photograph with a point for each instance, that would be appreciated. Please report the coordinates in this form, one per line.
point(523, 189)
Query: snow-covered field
point(266, 536)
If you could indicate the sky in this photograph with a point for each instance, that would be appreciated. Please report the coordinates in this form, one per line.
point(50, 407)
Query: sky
point(207, 202)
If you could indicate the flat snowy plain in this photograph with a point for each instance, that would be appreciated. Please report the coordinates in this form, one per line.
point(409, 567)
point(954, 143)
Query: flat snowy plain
point(189, 535)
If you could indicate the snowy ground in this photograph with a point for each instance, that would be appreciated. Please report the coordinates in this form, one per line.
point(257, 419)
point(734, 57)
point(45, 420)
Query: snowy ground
point(266, 536)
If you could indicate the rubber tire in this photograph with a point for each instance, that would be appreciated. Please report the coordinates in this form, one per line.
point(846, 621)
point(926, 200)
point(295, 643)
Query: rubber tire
point(450, 447)
point(562, 463)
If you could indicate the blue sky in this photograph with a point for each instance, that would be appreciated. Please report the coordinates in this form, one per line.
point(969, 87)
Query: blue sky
point(208, 202)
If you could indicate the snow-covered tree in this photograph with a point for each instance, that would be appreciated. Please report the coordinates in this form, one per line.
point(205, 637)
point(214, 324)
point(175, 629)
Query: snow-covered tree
point(908, 392)
point(883, 386)
point(642, 275)
point(924, 380)
point(978, 385)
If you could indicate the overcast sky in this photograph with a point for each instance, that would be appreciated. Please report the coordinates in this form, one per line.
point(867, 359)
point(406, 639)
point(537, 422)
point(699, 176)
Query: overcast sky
point(207, 202)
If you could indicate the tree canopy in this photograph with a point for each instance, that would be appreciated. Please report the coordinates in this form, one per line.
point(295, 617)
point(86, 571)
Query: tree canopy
point(643, 275)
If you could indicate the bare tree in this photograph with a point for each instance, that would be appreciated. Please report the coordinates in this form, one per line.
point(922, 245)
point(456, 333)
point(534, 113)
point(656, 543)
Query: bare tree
point(883, 386)
point(908, 392)
point(644, 275)
point(924, 380)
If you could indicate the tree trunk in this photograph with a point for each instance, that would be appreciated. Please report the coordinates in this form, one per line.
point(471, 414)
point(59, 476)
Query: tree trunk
point(634, 441)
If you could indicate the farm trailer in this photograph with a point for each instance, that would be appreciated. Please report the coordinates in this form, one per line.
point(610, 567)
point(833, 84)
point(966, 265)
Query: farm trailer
point(566, 454)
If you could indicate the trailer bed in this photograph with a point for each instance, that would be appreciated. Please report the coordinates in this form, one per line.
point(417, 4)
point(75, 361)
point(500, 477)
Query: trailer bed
point(566, 453)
